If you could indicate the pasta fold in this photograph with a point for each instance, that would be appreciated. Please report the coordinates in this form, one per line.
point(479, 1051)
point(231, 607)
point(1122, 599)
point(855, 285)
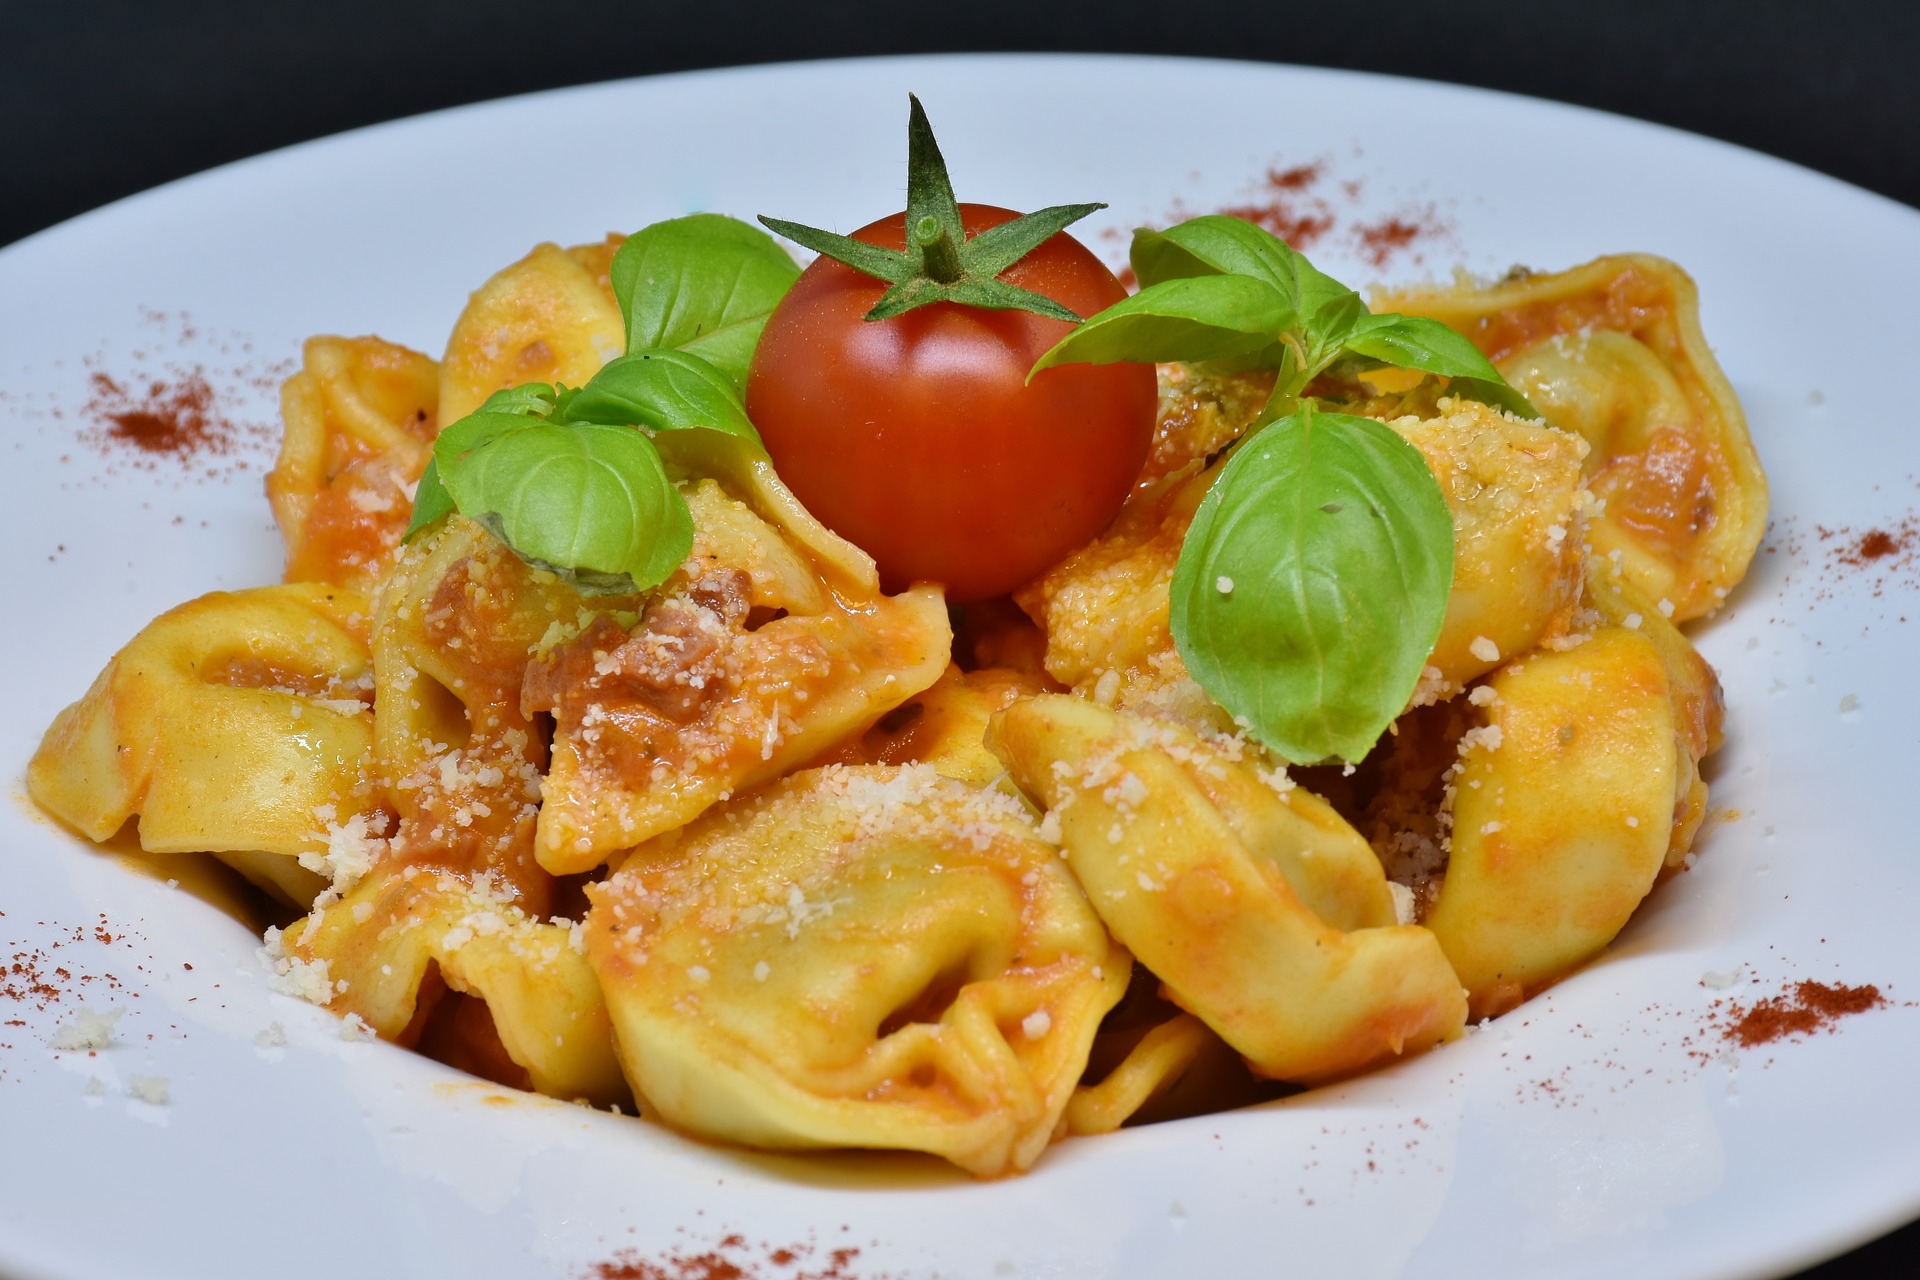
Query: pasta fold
point(360, 418)
point(547, 318)
point(749, 661)
point(405, 937)
point(453, 899)
point(1257, 907)
point(1613, 350)
point(1563, 809)
point(224, 725)
point(858, 956)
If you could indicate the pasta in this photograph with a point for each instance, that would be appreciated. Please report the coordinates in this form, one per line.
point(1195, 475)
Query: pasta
point(859, 956)
point(1262, 913)
point(1613, 350)
point(784, 859)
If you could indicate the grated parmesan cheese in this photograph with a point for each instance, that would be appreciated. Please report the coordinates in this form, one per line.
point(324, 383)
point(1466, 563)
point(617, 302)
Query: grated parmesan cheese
point(1487, 736)
point(290, 975)
point(87, 1030)
point(152, 1090)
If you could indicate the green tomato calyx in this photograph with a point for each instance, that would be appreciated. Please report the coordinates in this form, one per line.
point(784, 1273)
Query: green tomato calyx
point(940, 262)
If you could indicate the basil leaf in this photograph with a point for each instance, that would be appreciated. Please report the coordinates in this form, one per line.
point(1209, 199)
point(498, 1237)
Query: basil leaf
point(704, 283)
point(1202, 318)
point(586, 501)
point(430, 501)
point(1333, 320)
point(1323, 309)
point(1416, 342)
point(663, 390)
point(1187, 311)
point(1236, 247)
point(503, 411)
point(534, 399)
point(1313, 583)
point(455, 442)
point(1210, 244)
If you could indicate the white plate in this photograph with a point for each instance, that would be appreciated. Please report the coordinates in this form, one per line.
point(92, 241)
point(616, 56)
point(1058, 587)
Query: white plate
point(1579, 1136)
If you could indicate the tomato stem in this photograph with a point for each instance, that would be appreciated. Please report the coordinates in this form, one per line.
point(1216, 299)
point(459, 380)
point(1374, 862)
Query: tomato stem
point(939, 256)
point(941, 264)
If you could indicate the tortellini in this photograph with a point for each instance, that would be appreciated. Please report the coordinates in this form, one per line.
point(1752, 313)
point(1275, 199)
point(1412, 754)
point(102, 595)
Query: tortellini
point(456, 962)
point(859, 956)
point(784, 860)
point(1152, 1067)
point(547, 318)
point(946, 726)
point(1261, 911)
point(224, 726)
point(745, 664)
point(1513, 489)
point(1531, 818)
point(1613, 350)
point(360, 420)
point(434, 886)
point(1562, 812)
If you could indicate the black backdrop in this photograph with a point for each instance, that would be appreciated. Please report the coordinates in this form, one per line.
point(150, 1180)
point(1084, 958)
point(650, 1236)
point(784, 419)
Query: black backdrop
point(103, 98)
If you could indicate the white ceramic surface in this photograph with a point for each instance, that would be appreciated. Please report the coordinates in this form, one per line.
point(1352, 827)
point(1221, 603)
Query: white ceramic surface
point(1579, 1136)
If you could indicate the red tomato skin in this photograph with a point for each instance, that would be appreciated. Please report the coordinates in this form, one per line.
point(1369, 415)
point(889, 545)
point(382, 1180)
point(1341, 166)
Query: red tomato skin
point(917, 437)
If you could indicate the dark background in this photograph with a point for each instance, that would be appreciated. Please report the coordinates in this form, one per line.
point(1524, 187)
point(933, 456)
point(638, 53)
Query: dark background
point(105, 98)
point(100, 100)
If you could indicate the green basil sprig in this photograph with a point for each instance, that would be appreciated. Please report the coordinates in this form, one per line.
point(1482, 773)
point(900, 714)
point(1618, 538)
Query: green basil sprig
point(1313, 583)
point(431, 500)
point(1218, 288)
point(585, 500)
point(704, 284)
point(561, 476)
point(564, 479)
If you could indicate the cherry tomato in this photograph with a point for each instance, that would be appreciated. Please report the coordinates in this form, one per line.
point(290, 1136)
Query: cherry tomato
point(918, 437)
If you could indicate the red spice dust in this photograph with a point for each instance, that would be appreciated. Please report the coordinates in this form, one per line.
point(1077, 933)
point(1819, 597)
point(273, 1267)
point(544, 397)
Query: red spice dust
point(1285, 205)
point(732, 1258)
point(1875, 546)
point(177, 419)
point(1881, 560)
point(1305, 206)
point(1886, 557)
point(1801, 1009)
point(183, 402)
point(1380, 241)
point(31, 975)
point(35, 977)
